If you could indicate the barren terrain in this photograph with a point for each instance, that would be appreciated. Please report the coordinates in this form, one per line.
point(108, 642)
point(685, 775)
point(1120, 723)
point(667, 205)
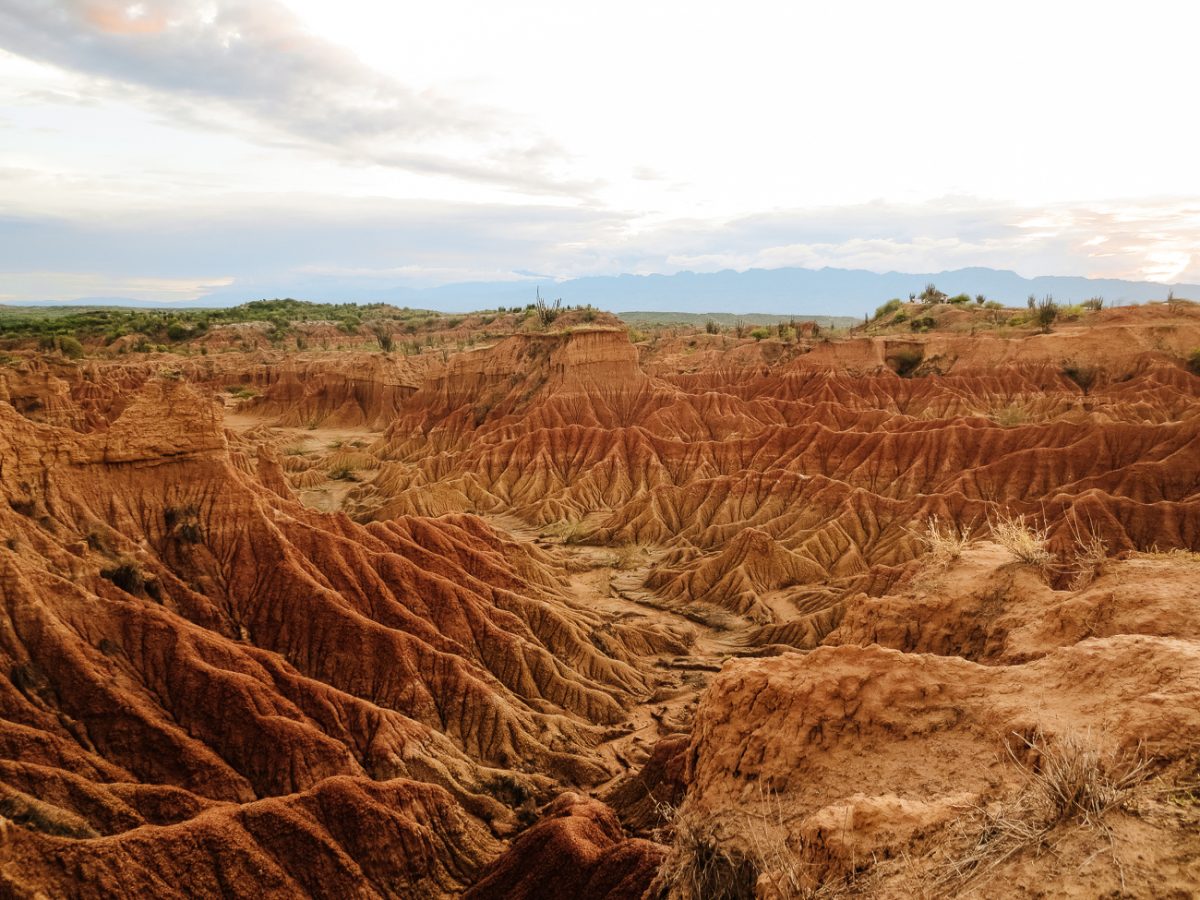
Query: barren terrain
point(516, 605)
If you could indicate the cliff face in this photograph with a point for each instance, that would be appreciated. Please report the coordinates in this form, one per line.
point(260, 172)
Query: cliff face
point(558, 614)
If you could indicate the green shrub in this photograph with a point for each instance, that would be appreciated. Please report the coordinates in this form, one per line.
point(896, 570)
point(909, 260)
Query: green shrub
point(890, 307)
point(960, 298)
point(1045, 312)
point(759, 333)
point(70, 347)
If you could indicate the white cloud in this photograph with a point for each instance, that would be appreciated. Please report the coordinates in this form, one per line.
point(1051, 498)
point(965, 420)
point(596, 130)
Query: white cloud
point(260, 139)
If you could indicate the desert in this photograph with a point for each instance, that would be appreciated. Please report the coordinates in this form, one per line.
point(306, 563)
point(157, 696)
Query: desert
point(315, 600)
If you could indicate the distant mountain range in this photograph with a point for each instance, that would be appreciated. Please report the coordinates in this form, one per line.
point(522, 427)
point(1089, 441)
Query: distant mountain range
point(788, 291)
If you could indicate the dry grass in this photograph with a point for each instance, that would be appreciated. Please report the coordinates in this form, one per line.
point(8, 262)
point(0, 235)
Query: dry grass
point(1069, 780)
point(1090, 556)
point(701, 865)
point(767, 859)
point(1024, 541)
point(628, 557)
point(567, 531)
point(1091, 553)
point(944, 541)
point(1177, 554)
point(1010, 416)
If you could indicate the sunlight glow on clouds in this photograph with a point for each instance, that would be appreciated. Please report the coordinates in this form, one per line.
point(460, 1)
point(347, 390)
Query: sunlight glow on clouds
point(482, 140)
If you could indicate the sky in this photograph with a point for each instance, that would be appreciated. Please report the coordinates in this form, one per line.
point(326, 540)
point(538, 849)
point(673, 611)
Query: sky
point(164, 149)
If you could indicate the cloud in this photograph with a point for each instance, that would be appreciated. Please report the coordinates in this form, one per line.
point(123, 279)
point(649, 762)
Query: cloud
point(254, 58)
point(291, 242)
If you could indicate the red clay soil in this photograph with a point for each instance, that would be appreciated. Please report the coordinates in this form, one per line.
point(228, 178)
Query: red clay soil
point(527, 618)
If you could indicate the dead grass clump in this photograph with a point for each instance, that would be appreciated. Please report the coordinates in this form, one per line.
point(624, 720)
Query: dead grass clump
point(944, 541)
point(1070, 779)
point(1010, 416)
point(1178, 554)
point(768, 859)
point(700, 864)
point(567, 531)
point(1024, 541)
point(1090, 556)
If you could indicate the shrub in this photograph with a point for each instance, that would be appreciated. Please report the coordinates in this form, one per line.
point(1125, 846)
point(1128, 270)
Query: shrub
point(759, 333)
point(386, 342)
point(932, 295)
point(701, 864)
point(1093, 303)
point(887, 308)
point(711, 327)
point(70, 347)
point(1194, 361)
point(959, 299)
point(127, 576)
point(1045, 312)
point(993, 304)
point(905, 360)
point(547, 312)
point(37, 815)
point(923, 323)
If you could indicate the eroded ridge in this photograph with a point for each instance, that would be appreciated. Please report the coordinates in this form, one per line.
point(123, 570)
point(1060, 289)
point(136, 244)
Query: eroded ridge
point(536, 610)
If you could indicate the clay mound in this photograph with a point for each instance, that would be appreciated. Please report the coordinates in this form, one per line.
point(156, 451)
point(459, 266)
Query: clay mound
point(991, 608)
point(737, 578)
point(790, 736)
point(577, 849)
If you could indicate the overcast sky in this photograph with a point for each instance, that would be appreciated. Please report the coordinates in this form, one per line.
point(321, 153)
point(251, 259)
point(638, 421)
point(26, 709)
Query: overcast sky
point(165, 148)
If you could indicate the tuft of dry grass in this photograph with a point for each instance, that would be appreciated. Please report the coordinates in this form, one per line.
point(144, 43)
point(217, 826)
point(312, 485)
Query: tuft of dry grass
point(1070, 779)
point(944, 541)
point(700, 864)
point(1177, 554)
point(1090, 556)
point(768, 860)
point(1024, 541)
point(1091, 553)
point(567, 531)
point(1009, 416)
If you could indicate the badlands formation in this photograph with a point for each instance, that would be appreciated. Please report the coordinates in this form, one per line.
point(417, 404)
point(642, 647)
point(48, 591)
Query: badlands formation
point(536, 610)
